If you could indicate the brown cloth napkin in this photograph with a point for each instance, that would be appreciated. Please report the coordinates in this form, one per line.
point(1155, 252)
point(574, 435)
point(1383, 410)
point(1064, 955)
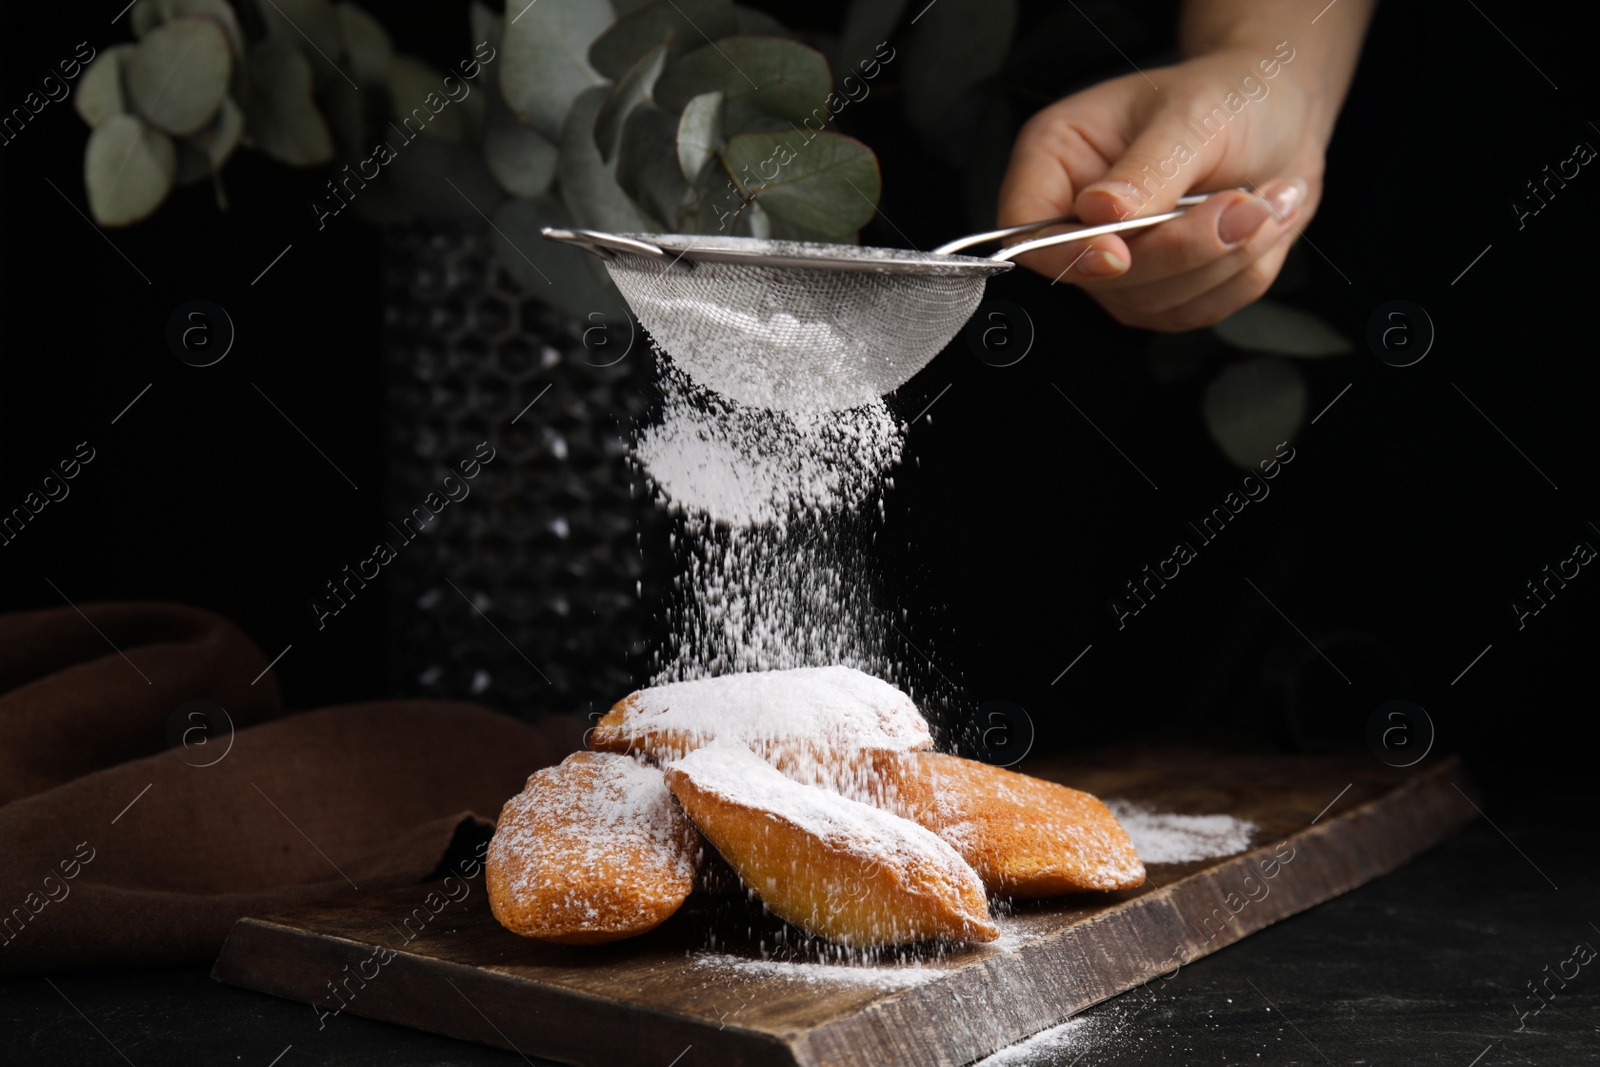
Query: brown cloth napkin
point(116, 849)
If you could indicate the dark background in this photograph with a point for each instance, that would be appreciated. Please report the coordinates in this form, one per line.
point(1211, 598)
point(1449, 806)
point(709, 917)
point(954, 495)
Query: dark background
point(1394, 541)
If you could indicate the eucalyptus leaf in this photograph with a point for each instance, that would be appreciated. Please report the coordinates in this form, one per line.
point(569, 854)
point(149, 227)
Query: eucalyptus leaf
point(715, 206)
point(444, 181)
point(177, 76)
point(486, 25)
point(281, 117)
point(193, 166)
point(753, 23)
point(647, 164)
point(756, 223)
point(685, 24)
point(564, 277)
point(588, 185)
point(313, 27)
point(760, 77)
point(955, 46)
point(486, 30)
point(699, 133)
point(632, 89)
point(521, 159)
point(828, 185)
point(366, 44)
point(780, 229)
point(128, 170)
point(867, 24)
point(1266, 326)
point(472, 105)
point(543, 68)
point(100, 94)
point(204, 153)
point(418, 97)
point(148, 14)
point(1253, 406)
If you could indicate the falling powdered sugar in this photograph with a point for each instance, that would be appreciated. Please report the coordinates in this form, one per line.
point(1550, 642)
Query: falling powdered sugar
point(739, 466)
point(769, 599)
point(1170, 838)
point(774, 571)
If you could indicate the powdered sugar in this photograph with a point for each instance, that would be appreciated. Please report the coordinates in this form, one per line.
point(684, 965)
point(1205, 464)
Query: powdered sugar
point(1171, 838)
point(774, 508)
point(1046, 1048)
point(768, 598)
point(823, 708)
point(816, 974)
point(591, 812)
point(739, 776)
point(745, 466)
point(798, 333)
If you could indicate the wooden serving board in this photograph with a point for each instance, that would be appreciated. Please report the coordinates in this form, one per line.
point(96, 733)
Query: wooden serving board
point(700, 982)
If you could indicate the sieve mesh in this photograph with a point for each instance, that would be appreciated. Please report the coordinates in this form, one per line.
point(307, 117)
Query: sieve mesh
point(795, 338)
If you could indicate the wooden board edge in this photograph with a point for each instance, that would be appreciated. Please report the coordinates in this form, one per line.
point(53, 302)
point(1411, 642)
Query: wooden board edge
point(271, 958)
point(1344, 851)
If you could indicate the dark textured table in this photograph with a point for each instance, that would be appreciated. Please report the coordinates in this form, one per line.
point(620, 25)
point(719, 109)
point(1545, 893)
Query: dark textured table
point(1431, 965)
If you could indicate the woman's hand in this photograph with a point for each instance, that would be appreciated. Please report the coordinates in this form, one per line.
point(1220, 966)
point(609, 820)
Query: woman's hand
point(1240, 116)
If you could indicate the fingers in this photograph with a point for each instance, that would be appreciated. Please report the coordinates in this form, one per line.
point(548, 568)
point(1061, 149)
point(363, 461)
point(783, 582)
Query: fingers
point(1095, 260)
point(1196, 252)
point(1039, 182)
point(1207, 308)
point(1156, 170)
point(1213, 306)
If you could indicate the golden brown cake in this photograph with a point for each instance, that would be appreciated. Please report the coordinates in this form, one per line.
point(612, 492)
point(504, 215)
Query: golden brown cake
point(592, 850)
point(850, 872)
point(1025, 837)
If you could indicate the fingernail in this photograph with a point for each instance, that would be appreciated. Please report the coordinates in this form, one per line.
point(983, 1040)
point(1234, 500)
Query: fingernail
point(1243, 219)
point(1098, 264)
point(1124, 192)
point(1286, 199)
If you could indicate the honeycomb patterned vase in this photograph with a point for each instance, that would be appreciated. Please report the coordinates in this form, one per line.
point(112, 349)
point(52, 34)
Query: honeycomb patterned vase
point(533, 594)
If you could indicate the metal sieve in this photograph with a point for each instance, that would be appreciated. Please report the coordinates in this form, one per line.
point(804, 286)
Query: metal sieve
point(798, 325)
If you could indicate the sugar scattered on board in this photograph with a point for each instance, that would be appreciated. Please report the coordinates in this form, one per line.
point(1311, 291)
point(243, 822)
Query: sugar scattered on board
point(816, 974)
point(1166, 837)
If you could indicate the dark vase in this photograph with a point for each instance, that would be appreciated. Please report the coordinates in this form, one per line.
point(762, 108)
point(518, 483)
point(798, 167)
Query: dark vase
point(537, 591)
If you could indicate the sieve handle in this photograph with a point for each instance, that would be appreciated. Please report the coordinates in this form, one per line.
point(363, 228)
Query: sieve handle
point(607, 245)
point(1028, 227)
point(1023, 248)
